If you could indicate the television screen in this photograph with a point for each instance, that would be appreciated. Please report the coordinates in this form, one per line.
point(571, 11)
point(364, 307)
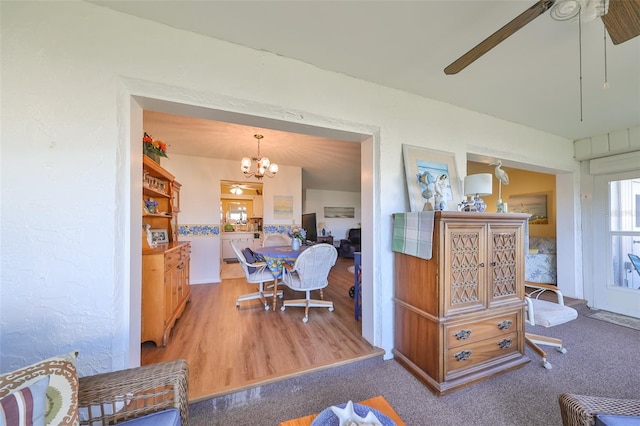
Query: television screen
point(309, 225)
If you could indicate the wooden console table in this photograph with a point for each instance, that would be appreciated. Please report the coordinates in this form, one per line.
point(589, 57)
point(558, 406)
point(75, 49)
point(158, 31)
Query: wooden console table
point(378, 402)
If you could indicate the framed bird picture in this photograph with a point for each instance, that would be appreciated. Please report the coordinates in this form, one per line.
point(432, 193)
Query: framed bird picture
point(432, 179)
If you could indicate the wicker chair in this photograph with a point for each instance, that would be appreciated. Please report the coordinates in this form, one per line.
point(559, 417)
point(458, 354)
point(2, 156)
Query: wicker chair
point(581, 410)
point(114, 397)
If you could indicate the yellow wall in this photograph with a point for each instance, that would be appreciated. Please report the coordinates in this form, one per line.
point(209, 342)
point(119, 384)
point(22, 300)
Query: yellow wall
point(522, 182)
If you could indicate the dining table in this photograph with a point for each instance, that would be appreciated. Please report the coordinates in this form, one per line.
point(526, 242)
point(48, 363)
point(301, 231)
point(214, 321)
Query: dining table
point(276, 257)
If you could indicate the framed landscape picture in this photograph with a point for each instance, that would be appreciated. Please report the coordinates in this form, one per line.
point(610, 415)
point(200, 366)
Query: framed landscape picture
point(432, 179)
point(534, 204)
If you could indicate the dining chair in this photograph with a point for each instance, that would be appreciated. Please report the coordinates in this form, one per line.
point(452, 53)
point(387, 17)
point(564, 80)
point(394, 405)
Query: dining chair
point(255, 273)
point(275, 240)
point(310, 272)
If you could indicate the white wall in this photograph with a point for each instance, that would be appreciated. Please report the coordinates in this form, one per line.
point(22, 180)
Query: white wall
point(69, 70)
point(316, 200)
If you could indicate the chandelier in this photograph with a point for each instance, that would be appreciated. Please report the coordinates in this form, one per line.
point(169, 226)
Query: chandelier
point(263, 166)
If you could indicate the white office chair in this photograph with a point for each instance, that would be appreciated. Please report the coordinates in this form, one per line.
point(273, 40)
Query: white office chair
point(546, 314)
point(310, 272)
point(255, 273)
point(276, 240)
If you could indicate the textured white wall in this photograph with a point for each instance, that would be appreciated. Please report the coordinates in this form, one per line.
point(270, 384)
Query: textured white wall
point(67, 69)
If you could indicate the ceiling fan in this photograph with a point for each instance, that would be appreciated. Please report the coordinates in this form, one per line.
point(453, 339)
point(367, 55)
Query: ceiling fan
point(620, 17)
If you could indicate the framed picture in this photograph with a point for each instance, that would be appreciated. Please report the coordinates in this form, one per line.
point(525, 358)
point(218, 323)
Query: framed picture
point(339, 212)
point(282, 206)
point(534, 204)
point(432, 179)
point(159, 235)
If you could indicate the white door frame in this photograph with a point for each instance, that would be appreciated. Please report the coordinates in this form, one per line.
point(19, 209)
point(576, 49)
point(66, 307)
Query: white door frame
point(621, 300)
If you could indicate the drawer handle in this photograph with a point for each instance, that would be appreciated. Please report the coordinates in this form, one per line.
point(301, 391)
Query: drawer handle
point(481, 265)
point(462, 355)
point(505, 325)
point(181, 266)
point(493, 263)
point(462, 334)
point(505, 343)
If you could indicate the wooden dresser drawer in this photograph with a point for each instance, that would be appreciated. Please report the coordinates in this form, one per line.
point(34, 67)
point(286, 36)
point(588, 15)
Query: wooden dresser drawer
point(464, 357)
point(465, 334)
point(172, 259)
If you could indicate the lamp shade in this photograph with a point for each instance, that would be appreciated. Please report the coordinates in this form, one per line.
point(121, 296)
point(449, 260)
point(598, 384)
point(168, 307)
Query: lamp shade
point(480, 184)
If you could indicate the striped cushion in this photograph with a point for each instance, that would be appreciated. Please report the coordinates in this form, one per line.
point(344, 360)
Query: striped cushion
point(25, 406)
point(62, 392)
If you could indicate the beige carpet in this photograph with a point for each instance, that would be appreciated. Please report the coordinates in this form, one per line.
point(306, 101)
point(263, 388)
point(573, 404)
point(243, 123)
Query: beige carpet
point(231, 270)
point(614, 318)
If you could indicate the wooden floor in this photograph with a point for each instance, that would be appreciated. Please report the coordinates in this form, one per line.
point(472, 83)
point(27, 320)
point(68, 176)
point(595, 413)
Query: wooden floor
point(230, 349)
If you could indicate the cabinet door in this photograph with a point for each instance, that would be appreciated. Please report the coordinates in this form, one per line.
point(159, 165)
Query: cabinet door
point(506, 264)
point(463, 269)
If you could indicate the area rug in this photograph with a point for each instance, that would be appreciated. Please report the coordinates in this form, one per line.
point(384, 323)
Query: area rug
point(614, 318)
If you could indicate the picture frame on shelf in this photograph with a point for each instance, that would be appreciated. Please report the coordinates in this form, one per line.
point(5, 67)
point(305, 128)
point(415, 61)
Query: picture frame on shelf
point(432, 179)
point(159, 235)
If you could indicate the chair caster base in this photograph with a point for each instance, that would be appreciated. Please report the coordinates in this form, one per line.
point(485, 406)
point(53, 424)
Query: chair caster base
point(562, 350)
point(305, 319)
point(331, 309)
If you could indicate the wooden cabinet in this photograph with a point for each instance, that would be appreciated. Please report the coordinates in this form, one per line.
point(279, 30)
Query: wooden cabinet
point(459, 315)
point(165, 268)
point(159, 186)
point(165, 289)
point(328, 239)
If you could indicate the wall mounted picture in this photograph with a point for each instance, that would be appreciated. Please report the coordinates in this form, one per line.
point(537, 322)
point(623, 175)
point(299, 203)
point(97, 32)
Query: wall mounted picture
point(432, 179)
point(533, 204)
point(282, 206)
point(339, 212)
point(159, 235)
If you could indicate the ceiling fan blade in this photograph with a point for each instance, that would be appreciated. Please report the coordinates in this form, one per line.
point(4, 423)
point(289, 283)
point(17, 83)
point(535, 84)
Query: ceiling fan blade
point(494, 39)
point(622, 20)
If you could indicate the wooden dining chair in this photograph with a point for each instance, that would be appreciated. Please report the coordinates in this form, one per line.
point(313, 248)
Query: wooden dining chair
point(310, 272)
point(255, 273)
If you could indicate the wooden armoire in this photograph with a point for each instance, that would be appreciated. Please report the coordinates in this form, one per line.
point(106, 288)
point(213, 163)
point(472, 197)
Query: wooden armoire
point(459, 316)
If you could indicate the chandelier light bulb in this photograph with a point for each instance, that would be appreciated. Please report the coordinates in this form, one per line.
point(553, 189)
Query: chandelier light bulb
point(264, 167)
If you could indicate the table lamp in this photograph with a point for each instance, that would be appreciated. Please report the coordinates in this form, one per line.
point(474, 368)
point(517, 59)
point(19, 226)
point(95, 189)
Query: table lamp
point(475, 186)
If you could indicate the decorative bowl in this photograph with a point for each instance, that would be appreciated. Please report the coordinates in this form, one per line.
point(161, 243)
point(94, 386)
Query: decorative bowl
point(328, 418)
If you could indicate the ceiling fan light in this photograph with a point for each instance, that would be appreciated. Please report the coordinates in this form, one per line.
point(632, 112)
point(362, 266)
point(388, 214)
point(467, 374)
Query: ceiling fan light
point(589, 10)
point(565, 10)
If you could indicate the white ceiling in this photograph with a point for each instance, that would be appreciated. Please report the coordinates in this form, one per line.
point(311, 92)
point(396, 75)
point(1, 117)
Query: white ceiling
point(532, 78)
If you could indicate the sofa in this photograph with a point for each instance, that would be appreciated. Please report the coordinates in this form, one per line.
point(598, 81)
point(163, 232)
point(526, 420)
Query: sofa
point(540, 264)
point(351, 244)
point(155, 394)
